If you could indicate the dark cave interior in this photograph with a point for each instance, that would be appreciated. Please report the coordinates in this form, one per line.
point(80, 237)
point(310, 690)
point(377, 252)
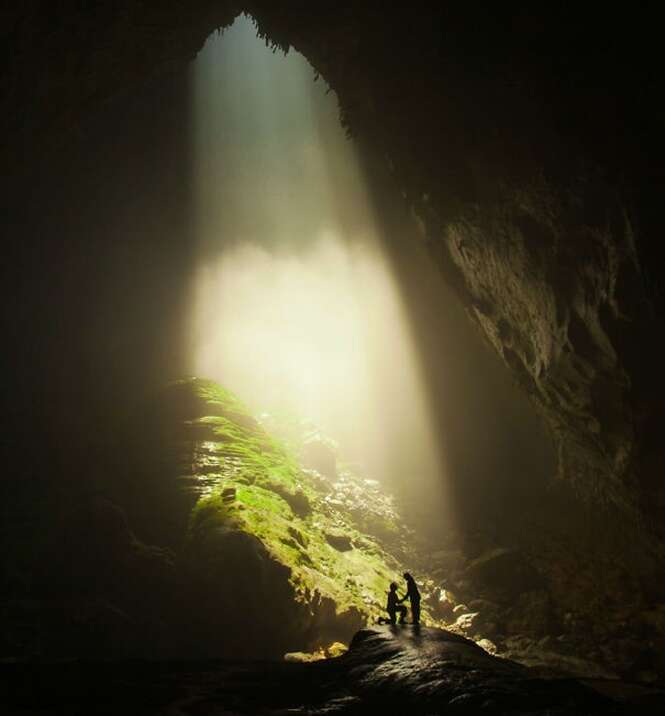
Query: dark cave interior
point(521, 148)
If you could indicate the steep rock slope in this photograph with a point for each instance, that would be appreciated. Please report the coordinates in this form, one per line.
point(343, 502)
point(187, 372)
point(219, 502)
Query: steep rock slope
point(268, 542)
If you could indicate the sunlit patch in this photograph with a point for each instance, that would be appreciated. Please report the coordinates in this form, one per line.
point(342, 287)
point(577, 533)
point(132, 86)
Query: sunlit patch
point(295, 307)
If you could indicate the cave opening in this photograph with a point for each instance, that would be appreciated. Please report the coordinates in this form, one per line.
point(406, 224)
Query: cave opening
point(296, 308)
point(301, 302)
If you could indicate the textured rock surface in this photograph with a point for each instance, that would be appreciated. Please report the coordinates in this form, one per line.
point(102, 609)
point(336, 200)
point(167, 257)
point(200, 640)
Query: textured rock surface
point(97, 591)
point(399, 671)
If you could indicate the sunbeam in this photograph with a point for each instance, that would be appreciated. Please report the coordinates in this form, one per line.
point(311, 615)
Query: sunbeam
point(296, 308)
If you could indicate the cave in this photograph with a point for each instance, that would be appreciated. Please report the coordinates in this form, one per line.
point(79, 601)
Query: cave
point(301, 297)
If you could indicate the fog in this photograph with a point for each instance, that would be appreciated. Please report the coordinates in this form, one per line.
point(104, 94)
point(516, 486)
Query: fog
point(296, 306)
point(221, 223)
point(315, 296)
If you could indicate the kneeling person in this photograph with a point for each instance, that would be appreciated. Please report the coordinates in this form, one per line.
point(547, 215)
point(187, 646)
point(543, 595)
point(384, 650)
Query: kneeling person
point(393, 607)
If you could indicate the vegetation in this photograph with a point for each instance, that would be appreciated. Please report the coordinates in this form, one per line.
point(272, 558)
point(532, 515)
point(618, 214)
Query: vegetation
point(253, 481)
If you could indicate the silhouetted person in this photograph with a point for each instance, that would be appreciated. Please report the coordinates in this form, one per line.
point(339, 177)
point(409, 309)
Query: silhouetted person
point(394, 607)
point(413, 595)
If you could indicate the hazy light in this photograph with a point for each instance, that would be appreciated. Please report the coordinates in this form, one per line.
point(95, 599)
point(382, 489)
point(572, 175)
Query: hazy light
point(295, 307)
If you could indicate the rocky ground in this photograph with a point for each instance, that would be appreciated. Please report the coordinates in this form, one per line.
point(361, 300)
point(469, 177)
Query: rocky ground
point(388, 669)
point(542, 604)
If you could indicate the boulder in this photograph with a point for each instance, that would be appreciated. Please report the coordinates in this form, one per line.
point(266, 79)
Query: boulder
point(467, 622)
point(487, 645)
point(297, 500)
point(339, 541)
point(299, 537)
point(228, 494)
point(240, 600)
point(442, 603)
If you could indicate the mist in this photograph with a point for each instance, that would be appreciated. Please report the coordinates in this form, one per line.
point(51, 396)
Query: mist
point(296, 306)
point(315, 297)
point(220, 223)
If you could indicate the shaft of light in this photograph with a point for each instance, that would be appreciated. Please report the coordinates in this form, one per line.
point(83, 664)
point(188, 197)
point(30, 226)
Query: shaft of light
point(295, 307)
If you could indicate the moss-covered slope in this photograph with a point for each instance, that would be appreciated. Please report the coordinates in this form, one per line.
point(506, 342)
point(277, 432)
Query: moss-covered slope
point(338, 535)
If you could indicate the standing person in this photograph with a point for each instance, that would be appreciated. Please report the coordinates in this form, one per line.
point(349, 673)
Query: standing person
point(413, 595)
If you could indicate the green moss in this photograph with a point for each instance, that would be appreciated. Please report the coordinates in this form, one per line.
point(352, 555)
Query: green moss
point(278, 502)
point(214, 394)
point(210, 513)
point(263, 501)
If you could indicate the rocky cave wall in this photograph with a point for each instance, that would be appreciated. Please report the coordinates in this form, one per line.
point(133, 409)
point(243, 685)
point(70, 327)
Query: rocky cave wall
point(535, 215)
point(527, 144)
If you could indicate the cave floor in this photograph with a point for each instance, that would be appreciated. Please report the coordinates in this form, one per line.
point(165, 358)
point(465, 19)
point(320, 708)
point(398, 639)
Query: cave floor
point(387, 669)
